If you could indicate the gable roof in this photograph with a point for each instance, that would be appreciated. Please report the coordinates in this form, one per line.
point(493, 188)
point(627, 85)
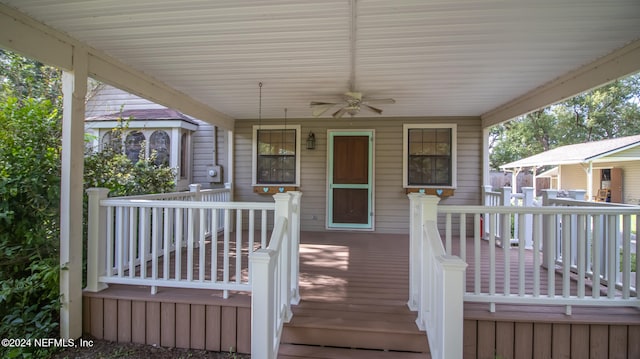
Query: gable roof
point(577, 153)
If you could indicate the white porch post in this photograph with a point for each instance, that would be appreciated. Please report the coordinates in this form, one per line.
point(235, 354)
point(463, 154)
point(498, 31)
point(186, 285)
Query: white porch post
point(527, 201)
point(283, 209)
point(96, 241)
point(74, 89)
point(415, 248)
point(486, 175)
point(295, 247)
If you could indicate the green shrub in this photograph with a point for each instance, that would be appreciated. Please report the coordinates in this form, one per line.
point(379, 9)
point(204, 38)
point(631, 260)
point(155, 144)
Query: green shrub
point(112, 169)
point(29, 222)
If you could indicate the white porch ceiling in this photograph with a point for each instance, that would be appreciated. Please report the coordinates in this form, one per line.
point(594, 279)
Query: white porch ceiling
point(435, 58)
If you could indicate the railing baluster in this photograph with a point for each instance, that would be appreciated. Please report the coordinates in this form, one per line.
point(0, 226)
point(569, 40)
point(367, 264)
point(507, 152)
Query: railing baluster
point(463, 246)
point(143, 230)
point(551, 253)
point(477, 258)
point(537, 240)
point(225, 257)
point(214, 246)
point(581, 255)
point(133, 224)
point(120, 245)
point(448, 233)
point(179, 240)
point(110, 242)
point(203, 247)
point(612, 253)
point(566, 255)
point(252, 218)
point(155, 225)
point(190, 244)
point(492, 262)
point(263, 229)
point(626, 253)
point(238, 246)
point(637, 283)
point(597, 256)
point(166, 236)
point(521, 255)
point(506, 253)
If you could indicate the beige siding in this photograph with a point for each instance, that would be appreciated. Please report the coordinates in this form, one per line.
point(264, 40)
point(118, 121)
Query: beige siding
point(391, 203)
point(572, 177)
point(208, 151)
point(630, 180)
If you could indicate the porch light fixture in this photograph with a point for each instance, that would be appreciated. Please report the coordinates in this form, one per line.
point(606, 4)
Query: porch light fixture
point(311, 141)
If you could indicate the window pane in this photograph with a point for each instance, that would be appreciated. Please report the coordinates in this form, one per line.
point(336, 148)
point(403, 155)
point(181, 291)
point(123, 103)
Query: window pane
point(160, 147)
point(133, 145)
point(430, 161)
point(111, 142)
point(276, 157)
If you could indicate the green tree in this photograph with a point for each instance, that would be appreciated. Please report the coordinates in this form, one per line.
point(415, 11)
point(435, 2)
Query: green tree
point(24, 78)
point(607, 112)
point(30, 165)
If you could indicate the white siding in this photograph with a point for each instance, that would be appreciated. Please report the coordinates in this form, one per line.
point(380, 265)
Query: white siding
point(391, 202)
point(108, 100)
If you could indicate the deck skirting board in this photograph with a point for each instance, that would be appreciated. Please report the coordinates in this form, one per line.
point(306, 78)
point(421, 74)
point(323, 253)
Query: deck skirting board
point(219, 325)
point(505, 339)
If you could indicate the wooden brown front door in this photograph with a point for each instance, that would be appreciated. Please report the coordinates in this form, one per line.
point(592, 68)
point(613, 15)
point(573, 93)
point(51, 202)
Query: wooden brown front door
point(350, 180)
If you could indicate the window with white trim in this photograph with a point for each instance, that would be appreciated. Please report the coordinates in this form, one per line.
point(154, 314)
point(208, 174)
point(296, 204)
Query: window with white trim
point(276, 155)
point(429, 155)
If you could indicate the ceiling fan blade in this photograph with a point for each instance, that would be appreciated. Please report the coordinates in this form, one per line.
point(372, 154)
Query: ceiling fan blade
point(371, 108)
point(379, 100)
point(320, 103)
point(318, 110)
point(340, 113)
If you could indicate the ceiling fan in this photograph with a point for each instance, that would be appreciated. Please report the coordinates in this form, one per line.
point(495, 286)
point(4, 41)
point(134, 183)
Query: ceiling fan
point(351, 104)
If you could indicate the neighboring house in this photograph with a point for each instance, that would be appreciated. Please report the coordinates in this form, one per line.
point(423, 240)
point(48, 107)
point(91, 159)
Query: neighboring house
point(196, 149)
point(609, 170)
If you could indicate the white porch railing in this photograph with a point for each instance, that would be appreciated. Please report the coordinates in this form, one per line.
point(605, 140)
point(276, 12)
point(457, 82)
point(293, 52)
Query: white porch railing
point(504, 197)
point(436, 281)
point(583, 245)
point(134, 240)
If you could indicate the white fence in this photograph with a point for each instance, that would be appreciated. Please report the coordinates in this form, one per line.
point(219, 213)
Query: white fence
point(435, 281)
point(171, 240)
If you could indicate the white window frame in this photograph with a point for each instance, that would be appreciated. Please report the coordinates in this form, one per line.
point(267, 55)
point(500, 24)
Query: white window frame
point(405, 153)
point(254, 156)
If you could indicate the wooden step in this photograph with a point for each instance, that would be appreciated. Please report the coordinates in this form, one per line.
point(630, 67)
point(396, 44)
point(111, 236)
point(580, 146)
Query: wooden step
point(379, 327)
point(293, 351)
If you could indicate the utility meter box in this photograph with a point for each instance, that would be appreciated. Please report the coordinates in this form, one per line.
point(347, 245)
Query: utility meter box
point(214, 173)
